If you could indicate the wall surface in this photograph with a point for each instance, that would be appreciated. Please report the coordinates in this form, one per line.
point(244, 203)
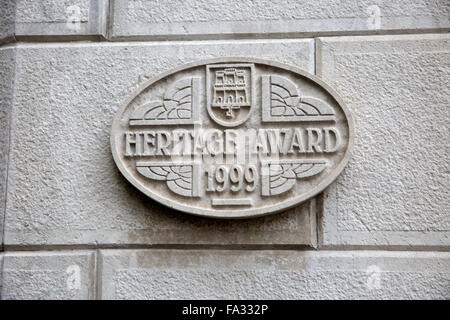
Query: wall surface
point(72, 227)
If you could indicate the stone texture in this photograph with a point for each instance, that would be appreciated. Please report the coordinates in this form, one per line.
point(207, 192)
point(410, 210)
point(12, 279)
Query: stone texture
point(394, 190)
point(195, 274)
point(1, 273)
point(53, 18)
point(177, 18)
point(7, 19)
point(63, 185)
point(7, 69)
point(48, 275)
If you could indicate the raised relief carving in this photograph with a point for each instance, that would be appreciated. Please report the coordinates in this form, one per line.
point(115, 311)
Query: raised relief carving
point(179, 106)
point(181, 178)
point(229, 93)
point(232, 138)
point(280, 176)
point(281, 101)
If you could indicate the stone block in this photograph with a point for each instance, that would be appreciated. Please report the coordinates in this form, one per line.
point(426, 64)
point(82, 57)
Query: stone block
point(394, 191)
point(7, 20)
point(205, 274)
point(63, 185)
point(48, 275)
point(7, 71)
point(61, 18)
point(202, 19)
point(1, 273)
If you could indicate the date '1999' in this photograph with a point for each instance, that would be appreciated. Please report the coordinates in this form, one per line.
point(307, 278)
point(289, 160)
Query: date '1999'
point(234, 177)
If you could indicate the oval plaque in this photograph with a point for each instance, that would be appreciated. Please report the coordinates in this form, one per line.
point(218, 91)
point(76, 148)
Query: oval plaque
point(232, 137)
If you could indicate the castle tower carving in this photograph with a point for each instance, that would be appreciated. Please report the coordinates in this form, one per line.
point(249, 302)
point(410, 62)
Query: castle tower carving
point(230, 90)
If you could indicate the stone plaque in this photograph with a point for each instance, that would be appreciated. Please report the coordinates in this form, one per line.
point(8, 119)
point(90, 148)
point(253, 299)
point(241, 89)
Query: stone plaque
point(232, 137)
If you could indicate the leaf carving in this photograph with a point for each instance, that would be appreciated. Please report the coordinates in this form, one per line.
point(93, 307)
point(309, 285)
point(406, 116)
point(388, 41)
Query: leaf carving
point(280, 176)
point(283, 101)
point(178, 103)
point(181, 178)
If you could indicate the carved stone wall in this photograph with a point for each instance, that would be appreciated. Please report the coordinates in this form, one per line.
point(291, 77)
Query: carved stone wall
point(71, 225)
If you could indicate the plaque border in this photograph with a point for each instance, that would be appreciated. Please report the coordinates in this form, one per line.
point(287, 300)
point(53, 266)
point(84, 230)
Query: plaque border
point(239, 213)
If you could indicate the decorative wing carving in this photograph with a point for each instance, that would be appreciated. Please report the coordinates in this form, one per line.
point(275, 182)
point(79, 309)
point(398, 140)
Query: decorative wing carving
point(179, 105)
point(281, 101)
point(280, 176)
point(182, 179)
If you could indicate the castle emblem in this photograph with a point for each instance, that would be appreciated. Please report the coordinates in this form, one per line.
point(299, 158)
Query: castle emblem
point(229, 93)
